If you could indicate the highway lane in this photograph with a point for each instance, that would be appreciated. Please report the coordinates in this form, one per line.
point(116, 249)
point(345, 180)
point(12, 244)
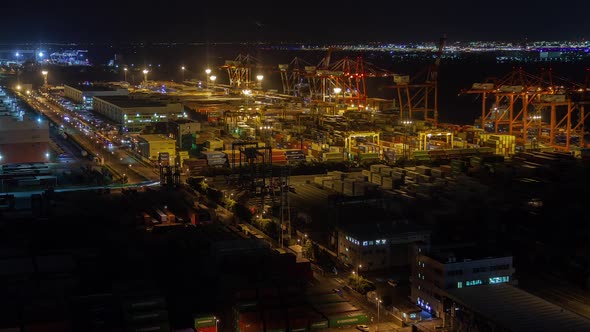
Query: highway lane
point(119, 160)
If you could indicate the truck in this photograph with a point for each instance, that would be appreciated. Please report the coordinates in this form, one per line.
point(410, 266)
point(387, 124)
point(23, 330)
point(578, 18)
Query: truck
point(161, 216)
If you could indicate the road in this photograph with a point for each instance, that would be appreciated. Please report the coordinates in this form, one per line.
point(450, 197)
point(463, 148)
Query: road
point(120, 161)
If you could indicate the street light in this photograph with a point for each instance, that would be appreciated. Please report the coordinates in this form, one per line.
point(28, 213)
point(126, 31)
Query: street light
point(208, 72)
point(259, 78)
point(125, 71)
point(213, 78)
point(216, 324)
point(182, 69)
point(378, 305)
point(145, 72)
point(44, 73)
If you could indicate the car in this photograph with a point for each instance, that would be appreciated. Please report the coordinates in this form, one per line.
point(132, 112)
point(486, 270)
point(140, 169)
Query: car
point(337, 291)
point(392, 282)
point(363, 328)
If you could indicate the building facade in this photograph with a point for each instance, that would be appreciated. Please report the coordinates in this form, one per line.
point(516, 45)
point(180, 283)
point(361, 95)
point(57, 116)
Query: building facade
point(23, 141)
point(436, 272)
point(134, 114)
point(84, 94)
point(380, 245)
point(150, 147)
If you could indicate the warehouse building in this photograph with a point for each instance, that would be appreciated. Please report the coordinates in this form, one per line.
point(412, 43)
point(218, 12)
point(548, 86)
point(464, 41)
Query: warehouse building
point(150, 147)
point(379, 245)
point(84, 94)
point(437, 271)
point(504, 307)
point(23, 141)
point(134, 114)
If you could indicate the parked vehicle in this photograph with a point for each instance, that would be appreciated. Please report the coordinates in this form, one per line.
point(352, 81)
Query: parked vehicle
point(363, 328)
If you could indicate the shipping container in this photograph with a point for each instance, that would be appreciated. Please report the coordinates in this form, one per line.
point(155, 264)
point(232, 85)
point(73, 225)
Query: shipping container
point(156, 327)
point(204, 320)
point(145, 317)
point(347, 319)
point(206, 329)
point(144, 303)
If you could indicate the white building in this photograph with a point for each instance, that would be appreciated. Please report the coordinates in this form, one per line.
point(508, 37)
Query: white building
point(436, 271)
point(133, 114)
point(84, 94)
point(379, 245)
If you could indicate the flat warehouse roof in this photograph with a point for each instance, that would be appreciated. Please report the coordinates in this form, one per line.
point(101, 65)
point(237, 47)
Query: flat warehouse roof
point(517, 310)
point(126, 102)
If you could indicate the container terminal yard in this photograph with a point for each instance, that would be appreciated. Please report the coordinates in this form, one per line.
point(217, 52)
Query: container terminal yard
point(310, 207)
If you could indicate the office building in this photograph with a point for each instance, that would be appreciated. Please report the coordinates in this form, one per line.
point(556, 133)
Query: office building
point(379, 245)
point(437, 271)
point(150, 146)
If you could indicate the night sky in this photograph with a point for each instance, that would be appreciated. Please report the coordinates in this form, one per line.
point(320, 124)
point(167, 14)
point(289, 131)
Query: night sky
point(302, 21)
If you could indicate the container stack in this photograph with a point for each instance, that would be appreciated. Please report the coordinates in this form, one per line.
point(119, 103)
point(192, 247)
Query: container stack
point(194, 166)
point(182, 156)
point(319, 180)
point(333, 156)
point(215, 158)
point(503, 145)
point(458, 166)
point(278, 157)
point(205, 323)
point(368, 156)
point(387, 183)
point(294, 156)
point(420, 155)
point(146, 314)
point(353, 187)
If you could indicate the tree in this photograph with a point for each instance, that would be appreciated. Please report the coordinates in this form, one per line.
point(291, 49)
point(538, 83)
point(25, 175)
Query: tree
point(308, 250)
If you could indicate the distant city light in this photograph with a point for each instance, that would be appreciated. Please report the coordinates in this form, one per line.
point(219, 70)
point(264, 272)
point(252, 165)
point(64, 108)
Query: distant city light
point(40, 54)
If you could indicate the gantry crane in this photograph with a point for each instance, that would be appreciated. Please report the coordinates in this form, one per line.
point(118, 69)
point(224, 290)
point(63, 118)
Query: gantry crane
point(534, 107)
point(240, 70)
point(342, 81)
point(293, 76)
point(419, 94)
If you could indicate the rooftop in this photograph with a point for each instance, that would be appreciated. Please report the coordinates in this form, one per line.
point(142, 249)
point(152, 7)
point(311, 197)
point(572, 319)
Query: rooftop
point(462, 253)
point(517, 310)
point(128, 102)
point(155, 137)
point(370, 230)
point(83, 87)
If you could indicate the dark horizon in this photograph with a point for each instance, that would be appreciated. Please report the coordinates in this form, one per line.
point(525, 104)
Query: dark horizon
point(306, 22)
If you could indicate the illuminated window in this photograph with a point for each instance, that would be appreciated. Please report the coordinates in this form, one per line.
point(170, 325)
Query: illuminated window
point(460, 284)
point(473, 282)
point(499, 280)
point(377, 242)
point(365, 243)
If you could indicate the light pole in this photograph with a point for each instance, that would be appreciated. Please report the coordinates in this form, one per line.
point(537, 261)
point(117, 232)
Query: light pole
point(182, 70)
point(145, 72)
point(378, 305)
point(125, 72)
point(44, 73)
point(337, 93)
point(208, 72)
point(259, 78)
point(216, 324)
point(213, 78)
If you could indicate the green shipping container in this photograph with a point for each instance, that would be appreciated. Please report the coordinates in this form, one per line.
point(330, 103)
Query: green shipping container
point(318, 324)
point(347, 319)
point(204, 320)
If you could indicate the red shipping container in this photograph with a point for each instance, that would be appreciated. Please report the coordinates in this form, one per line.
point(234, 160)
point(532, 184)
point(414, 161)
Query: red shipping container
point(207, 329)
